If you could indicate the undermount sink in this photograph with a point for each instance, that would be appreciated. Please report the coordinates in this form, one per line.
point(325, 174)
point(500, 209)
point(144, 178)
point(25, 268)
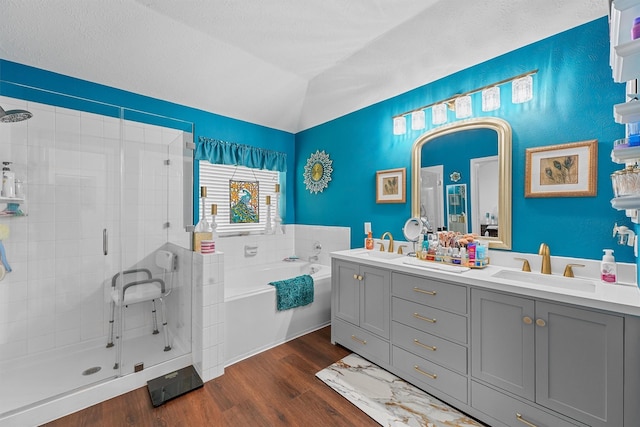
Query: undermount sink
point(380, 254)
point(572, 283)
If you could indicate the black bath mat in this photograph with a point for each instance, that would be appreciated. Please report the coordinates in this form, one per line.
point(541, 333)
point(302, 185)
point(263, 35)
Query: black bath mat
point(172, 385)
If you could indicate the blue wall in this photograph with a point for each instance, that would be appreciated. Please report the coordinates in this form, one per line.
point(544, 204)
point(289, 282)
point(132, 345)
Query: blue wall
point(204, 123)
point(573, 101)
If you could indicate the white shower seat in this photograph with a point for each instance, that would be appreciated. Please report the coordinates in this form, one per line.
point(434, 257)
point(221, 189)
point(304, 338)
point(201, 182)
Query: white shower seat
point(147, 289)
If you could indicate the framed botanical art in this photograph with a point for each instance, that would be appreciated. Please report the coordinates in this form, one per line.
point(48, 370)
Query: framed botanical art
point(564, 170)
point(391, 186)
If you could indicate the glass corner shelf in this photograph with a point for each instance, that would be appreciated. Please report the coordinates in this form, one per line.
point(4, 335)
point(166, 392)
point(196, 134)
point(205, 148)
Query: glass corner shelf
point(622, 153)
point(11, 199)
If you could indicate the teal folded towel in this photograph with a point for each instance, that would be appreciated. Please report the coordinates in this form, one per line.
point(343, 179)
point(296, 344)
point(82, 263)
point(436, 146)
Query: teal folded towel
point(294, 292)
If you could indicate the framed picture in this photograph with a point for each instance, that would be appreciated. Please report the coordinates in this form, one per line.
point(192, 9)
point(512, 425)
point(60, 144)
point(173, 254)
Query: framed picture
point(391, 186)
point(564, 170)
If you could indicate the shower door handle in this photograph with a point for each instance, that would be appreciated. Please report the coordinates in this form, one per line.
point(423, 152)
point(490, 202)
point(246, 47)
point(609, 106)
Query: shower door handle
point(105, 241)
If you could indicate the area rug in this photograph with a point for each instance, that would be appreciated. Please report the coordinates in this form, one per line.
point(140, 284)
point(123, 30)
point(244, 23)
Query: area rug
point(387, 399)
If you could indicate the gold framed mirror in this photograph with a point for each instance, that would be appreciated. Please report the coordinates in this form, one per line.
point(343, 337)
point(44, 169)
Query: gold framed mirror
point(501, 234)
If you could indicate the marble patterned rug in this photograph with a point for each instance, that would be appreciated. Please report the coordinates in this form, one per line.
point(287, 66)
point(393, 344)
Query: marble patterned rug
point(389, 400)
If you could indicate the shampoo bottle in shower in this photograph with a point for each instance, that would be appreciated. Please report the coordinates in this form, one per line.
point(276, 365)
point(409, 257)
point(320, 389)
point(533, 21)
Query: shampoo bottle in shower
point(8, 181)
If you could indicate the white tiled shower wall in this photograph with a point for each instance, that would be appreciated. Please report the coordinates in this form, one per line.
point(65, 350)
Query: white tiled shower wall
point(57, 294)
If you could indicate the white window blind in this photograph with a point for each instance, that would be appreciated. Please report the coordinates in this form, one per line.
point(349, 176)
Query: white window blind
point(216, 179)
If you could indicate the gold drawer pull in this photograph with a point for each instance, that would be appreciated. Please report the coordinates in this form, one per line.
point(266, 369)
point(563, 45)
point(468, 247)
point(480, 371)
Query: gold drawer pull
point(541, 323)
point(527, 320)
point(432, 376)
point(428, 347)
point(422, 291)
point(522, 420)
point(417, 316)
point(356, 339)
point(355, 276)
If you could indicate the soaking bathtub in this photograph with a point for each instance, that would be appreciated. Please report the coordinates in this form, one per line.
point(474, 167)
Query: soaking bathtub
point(252, 323)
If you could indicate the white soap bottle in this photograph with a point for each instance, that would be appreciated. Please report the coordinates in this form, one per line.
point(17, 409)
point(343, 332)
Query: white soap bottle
point(8, 181)
point(608, 269)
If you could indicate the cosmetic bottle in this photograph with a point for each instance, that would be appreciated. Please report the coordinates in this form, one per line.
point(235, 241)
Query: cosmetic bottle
point(368, 243)
point(608, 269)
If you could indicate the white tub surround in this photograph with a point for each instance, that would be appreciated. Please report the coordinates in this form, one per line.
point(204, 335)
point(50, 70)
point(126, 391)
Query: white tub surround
point(253, 324)
point(208, 315)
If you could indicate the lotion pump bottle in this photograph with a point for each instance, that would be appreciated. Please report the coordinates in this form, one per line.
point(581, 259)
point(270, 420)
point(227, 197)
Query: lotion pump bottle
point(608, 269)
point(368, 243)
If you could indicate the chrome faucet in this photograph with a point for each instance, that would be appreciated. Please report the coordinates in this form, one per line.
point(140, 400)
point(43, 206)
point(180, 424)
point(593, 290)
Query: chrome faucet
point(390, 249)
point(546, 258)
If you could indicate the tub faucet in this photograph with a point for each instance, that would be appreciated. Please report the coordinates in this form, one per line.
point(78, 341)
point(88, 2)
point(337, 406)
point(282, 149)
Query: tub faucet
point(313, 258)
point(390, 249)
point(546, 258)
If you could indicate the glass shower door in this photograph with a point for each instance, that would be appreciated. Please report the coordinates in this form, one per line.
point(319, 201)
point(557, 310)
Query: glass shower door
point(153, 328)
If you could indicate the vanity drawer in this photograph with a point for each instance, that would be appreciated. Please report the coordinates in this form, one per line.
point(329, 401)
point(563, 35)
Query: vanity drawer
point(429, 319)
point(511, 411)
point(425, 374)
point(360, 341)
point(430, 347)
point(430, 292)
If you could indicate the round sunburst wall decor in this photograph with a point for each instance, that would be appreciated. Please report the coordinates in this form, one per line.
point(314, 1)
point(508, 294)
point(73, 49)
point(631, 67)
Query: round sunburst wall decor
point(317, 171)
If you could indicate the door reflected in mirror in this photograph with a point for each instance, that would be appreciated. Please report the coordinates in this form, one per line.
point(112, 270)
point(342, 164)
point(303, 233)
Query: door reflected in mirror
point(457, 208)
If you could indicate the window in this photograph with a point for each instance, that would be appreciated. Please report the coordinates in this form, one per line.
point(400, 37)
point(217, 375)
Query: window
point(216, 179)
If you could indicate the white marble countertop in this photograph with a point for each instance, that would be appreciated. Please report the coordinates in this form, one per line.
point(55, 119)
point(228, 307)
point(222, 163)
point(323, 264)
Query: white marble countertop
point(585, 292)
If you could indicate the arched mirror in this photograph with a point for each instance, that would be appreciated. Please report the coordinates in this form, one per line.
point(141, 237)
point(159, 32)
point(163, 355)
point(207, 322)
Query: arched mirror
point(470, 158)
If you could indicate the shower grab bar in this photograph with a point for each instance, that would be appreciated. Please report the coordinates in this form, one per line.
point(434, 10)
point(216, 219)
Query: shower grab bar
point(105, 242)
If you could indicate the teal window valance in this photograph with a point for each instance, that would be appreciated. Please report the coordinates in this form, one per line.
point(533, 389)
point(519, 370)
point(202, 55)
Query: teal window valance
point(230, 153)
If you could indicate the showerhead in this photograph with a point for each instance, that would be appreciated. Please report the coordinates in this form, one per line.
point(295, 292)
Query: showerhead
point(12, 116)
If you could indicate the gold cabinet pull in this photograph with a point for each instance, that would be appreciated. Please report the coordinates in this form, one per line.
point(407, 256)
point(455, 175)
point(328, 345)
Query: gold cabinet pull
point(355, 276)
point(426, 319)
point(432, 376)
point(541, 323)
point(356, 339)
point(527, 320)
point(422, 291)
point(428, 347)
point(522, 420)
point(360, 278)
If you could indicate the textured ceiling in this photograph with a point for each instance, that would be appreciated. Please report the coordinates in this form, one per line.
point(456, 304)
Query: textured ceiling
point(286, 64)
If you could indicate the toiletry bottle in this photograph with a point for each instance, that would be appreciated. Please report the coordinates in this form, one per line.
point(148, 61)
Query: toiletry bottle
point(368, 243)
point(608, 269)
point(8, 181)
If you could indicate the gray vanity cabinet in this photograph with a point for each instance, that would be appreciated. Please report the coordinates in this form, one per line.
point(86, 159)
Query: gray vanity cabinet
point(566, 359)
point(361, 309)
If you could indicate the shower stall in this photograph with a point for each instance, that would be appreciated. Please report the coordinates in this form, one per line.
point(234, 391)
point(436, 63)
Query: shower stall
point(99, 281)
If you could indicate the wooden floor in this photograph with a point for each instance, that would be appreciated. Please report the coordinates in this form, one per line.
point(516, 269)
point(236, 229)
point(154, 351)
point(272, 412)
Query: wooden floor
point(275, 388)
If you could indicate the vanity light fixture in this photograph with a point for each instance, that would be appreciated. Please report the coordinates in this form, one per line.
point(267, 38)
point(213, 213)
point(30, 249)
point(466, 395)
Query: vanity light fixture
point(399, 125)
point(491, 98)
point(463, 106)
point(522, 91)
point(439, 114)
point(418, 120)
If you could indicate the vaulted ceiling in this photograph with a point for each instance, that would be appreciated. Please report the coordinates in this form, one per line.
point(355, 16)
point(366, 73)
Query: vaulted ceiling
point(286, 64)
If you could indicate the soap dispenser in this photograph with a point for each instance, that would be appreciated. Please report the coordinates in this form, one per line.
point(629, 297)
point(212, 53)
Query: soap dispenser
point(608, 269)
